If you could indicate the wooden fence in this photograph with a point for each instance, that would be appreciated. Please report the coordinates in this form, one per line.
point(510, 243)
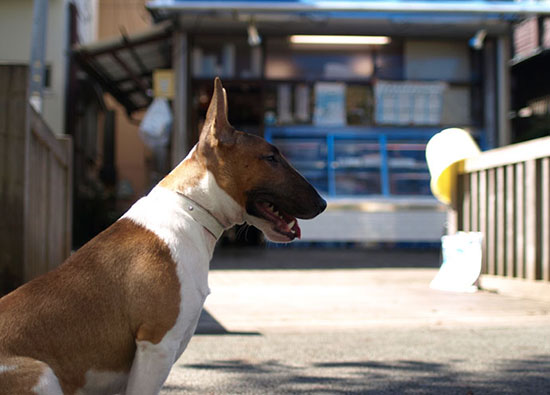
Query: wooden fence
point(505, 194)
point(35, 186)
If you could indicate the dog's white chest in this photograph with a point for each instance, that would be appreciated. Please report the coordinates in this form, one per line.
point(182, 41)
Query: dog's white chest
point(161, 213)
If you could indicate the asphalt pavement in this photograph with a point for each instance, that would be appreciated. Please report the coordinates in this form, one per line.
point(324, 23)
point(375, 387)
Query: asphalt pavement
point(292, 321)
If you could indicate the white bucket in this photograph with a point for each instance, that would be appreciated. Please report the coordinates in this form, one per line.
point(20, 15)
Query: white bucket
point(461, 266)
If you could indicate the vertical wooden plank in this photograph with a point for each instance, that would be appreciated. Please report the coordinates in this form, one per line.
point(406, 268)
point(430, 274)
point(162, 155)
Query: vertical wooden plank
point(510, 221)
point(61, 220)
point(520, 221)
point(466, 215)
point(33, 211)
point(453, 212)
point(41, 260)
point(501, 220)
point(531, 213)
point(52, 212)
point(532, 271)
point(545, 218)
point(30, 211)
point(483, 200)
point(39, 181)
point(68, 197)
point(4, 78)
point(491, 222)
point(474, 194)
point(59, 256)
point(28, 225)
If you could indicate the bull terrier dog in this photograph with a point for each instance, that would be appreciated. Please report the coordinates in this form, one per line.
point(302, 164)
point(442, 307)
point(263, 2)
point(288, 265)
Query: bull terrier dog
point(116, 315)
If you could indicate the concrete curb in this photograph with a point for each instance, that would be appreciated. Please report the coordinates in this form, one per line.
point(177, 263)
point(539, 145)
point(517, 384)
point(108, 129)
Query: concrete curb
point(516, 287)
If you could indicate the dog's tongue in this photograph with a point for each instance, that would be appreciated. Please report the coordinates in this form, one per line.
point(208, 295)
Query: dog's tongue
point(290, 220)
point(297, 230)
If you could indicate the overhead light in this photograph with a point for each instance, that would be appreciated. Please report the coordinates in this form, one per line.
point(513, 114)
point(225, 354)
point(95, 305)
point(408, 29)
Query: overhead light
point(476, 42)
point(339, 40)
point(254, 38)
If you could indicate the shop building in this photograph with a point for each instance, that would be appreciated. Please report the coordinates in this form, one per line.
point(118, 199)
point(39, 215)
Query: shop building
point(353, 116)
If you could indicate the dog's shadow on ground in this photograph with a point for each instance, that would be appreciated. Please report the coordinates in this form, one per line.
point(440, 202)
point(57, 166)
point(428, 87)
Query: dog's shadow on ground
point(208, 325)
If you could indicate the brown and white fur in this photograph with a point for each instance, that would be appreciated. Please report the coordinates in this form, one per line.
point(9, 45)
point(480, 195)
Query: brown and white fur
point(117, 314)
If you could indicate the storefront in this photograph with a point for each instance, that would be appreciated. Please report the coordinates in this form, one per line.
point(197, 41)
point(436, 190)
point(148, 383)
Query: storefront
point(353, 116)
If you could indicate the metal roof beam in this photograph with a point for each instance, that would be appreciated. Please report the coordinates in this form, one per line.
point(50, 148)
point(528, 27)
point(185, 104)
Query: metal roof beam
point(139, 81)
point(94, 70)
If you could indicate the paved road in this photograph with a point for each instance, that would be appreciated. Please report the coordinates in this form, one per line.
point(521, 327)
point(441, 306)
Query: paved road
point(356, 328)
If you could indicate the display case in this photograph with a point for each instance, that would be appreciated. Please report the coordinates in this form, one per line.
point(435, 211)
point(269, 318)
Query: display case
point(357, 161)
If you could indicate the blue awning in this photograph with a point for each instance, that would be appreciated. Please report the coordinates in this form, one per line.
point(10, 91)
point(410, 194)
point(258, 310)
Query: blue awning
point(394, 17)
point(501, 7)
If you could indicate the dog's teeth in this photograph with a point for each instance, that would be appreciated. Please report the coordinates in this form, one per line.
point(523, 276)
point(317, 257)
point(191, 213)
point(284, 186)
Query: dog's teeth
point(292, 231)
point(291, 224)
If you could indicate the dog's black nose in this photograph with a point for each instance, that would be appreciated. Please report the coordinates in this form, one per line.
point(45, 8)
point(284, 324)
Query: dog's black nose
point(322, 205)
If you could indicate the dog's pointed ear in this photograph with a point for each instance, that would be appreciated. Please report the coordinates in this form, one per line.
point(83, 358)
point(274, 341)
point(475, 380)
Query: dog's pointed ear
point(216, 126)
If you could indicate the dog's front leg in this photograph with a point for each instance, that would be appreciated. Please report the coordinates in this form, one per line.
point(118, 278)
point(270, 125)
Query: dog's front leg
point(150, 368)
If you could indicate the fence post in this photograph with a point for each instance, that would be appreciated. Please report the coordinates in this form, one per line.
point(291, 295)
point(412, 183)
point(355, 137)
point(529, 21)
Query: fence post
point(483, 216)
point(510, 221)
point(466, 214)
point(520, 221)
point(491, 222)
point(545, 218)
point(501, 220)
point(67, 143)
point(531, 214)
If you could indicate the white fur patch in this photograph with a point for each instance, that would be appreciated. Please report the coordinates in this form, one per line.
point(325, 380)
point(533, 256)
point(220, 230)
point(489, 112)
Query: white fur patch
point(98, 383)
point(48, 384)
point(191, 247)
point(213, 198)
point(151, 366)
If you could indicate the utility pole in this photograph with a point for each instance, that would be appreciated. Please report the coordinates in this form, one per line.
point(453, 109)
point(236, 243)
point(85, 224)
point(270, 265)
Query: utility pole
point(38, 53)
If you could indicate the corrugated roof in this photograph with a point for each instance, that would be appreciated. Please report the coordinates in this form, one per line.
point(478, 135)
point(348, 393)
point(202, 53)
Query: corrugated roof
point(124, 65)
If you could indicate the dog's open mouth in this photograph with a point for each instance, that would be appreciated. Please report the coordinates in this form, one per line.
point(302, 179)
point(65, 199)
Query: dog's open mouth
point(283, 222)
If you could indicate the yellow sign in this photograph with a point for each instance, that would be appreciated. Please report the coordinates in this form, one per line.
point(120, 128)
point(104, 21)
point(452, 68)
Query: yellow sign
point(163, 83)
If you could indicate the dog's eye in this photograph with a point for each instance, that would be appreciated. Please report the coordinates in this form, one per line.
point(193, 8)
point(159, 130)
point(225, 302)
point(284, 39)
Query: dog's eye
point(270, 158)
